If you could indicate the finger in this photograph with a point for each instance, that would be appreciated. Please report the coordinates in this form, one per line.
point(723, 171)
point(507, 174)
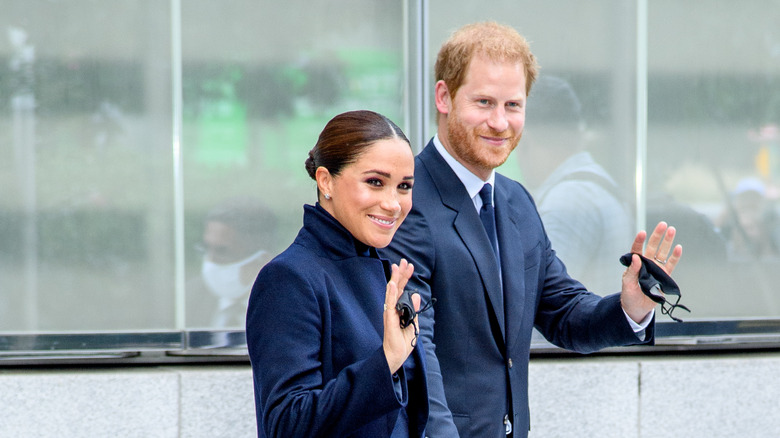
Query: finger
point(671, 262)
point(395, 273)
point(655, 239)
point(405, 270)
point(639, 242)
point(666, 245)
point(407, 275)
point(391, 291)
point(632, 272)
point(409, 271)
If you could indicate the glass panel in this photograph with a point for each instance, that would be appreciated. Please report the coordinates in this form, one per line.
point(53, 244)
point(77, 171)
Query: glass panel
point(85, 210)
point(577, 154)
point(261, 80)
point(713, 145)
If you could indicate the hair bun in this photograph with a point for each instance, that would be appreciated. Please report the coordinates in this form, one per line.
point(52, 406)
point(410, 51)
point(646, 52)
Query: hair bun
point(311, 168)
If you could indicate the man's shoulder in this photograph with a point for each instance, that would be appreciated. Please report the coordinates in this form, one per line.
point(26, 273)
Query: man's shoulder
point(514, 190)
point(432, 176)
point(509, 183)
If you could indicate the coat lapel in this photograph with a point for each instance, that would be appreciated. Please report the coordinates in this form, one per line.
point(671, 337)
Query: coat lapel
point(509, 220)
point(468, 227)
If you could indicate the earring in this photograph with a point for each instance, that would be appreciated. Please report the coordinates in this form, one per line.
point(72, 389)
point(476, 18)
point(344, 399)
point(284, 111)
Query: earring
point(327, 196)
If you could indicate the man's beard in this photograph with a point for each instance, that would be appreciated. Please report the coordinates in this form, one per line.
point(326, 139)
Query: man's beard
point(466, 145)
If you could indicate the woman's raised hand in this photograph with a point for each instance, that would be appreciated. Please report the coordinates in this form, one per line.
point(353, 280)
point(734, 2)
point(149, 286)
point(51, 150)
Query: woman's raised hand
point(397, 342)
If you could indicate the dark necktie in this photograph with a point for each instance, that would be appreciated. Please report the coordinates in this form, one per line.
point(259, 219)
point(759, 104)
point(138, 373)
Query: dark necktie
point(488, 215)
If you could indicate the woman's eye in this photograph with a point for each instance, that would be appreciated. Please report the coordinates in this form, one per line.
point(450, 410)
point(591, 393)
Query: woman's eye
point(405, 186)
point(374, 182)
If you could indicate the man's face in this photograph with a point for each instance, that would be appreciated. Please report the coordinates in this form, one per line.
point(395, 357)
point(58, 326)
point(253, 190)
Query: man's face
point(222, 244)
point(484, 121)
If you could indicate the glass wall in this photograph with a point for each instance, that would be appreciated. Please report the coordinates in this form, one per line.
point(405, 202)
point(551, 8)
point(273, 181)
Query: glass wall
point(86, 220)
point(713, 144)
point(118, 115)
point(260, 81)
point(151, 152)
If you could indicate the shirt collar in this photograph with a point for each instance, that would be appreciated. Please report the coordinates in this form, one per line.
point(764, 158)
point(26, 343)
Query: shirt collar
point(472, 182)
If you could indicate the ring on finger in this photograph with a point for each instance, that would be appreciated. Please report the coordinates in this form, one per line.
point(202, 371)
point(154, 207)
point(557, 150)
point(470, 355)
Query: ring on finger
point(663, 262)
point(385, 306)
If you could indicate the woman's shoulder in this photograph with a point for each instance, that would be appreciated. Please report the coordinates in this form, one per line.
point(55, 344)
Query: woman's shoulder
point(296, 260)
point(290, 279)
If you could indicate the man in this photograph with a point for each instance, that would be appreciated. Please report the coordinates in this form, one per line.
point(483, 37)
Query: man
point(478, 332)
point(586, 214)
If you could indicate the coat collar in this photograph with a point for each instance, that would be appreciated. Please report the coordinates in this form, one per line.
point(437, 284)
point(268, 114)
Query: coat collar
point(336, 241)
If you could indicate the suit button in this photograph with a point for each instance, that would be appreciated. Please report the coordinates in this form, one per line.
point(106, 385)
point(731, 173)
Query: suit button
point(509, 362)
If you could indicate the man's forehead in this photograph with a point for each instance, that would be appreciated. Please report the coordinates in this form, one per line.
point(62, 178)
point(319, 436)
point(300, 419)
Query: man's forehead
point(482, 77)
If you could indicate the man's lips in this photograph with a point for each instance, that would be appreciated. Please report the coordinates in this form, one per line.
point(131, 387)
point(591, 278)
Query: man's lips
point(494, 140)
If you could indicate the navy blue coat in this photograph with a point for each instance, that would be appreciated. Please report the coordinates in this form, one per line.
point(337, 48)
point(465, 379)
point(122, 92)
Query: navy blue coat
point(479, 347)
point(314, 333)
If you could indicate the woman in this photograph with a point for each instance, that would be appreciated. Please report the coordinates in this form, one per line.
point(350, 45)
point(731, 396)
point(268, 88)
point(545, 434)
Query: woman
point(329, 356)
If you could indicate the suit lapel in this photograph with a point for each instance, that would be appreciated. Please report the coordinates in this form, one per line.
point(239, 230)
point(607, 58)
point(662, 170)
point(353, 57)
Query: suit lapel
point(510, 240)
point(468, 226)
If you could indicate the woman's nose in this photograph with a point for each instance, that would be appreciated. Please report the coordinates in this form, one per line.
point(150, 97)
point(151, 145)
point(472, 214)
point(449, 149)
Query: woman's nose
point(391, 202)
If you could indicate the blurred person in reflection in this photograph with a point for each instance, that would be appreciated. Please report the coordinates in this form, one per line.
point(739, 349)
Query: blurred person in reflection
point(329, 357)
point(237, 237)
point(586, 214)
point(492, 292)
point(750, 223)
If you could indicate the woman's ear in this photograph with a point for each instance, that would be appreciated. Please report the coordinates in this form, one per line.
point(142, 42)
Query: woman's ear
point(324, 181)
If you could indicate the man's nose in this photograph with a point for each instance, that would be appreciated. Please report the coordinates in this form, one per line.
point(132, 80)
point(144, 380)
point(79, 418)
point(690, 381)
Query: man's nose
point(497, 120)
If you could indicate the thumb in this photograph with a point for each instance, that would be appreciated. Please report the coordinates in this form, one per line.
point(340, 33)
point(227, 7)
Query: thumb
point(416, 300)
point(632, 273)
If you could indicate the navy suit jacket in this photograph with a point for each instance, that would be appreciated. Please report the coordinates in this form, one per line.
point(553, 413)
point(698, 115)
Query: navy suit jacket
point(478, 342)
point(314, 333)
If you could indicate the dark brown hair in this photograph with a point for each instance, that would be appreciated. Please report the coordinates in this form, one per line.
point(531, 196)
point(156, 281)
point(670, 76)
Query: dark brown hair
point(346, 136)
point(495, 41)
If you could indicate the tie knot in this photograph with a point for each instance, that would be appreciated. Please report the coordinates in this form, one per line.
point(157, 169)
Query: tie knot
point(486, 194)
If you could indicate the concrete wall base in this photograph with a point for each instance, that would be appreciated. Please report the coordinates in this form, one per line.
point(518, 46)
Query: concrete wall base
point(722, 395)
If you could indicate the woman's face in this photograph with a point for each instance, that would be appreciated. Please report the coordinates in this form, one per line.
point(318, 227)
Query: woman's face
point(373, 195)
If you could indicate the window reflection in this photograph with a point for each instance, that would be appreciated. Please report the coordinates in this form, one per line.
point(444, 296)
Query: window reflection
point(588, 215)
point(707, 103)
point(238, 237)
point(86, 166)
point(86, 214)
point(255, 99)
